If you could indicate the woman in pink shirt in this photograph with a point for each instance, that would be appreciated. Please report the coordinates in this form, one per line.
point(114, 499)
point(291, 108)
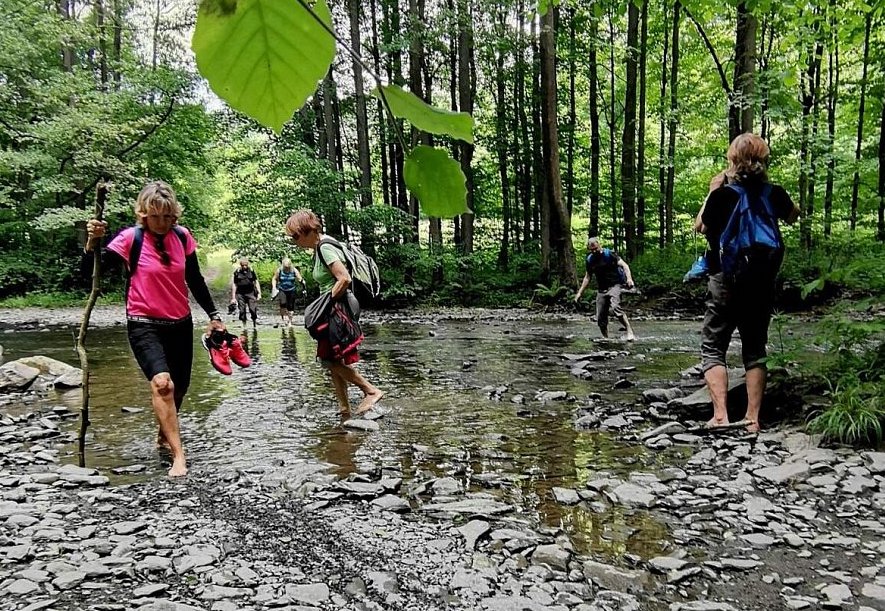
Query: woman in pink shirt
point(158, 315)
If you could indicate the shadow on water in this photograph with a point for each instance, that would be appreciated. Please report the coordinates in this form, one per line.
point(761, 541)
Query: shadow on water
point(461, 402)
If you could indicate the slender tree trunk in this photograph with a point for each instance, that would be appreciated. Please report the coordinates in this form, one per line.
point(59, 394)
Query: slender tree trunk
point(395, 75)
point(362, 120)
point(855, 181)
point(806, 155)
point(880, 234)
point(662, 129)
point(65, 11)
point(502, 144)
point(540, 179)
point(322, 149)
point(465, 101)
point(612, 130)
point(832, 100)
point(572, 116)
point(640, 151)
point(742, 104)
point(98, 7)
point(379, 110)
point(118, 43)
point(671, 127)
point(560, 220)
point(813, 149)
point(595, 144)
point(628, 150)
point(522, 119)
point(416, 61)
point(155, 47)
point(767, 33)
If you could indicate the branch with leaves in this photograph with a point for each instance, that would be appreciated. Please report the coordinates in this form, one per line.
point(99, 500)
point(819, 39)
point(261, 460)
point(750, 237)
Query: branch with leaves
point(265, 58)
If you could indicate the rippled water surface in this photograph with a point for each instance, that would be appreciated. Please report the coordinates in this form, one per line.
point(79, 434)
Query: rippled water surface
point(444, 416)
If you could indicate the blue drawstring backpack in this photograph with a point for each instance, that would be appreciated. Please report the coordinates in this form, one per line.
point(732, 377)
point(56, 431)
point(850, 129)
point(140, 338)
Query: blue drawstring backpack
point(699, 270)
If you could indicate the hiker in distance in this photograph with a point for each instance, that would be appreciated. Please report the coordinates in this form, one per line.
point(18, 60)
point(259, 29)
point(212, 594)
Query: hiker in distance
point(245, 291)
point(745, 251)
point(283, 288)
point(161, 260)
point(612, 274)
point(331, 274)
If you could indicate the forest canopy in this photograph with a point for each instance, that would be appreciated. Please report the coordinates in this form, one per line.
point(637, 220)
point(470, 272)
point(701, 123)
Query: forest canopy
point(600, 118)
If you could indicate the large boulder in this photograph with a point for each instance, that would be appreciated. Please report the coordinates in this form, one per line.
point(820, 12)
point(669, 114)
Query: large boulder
point(16, 376)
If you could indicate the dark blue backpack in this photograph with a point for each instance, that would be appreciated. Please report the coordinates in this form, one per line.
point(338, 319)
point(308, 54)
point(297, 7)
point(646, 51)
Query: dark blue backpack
point(609, 257)
point(751, 239)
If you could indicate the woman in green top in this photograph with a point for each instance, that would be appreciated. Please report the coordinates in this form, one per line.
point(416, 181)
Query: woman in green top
point(305, 229)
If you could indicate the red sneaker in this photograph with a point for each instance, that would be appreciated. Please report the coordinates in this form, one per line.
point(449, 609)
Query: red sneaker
point(238, 354)
point(219, 354)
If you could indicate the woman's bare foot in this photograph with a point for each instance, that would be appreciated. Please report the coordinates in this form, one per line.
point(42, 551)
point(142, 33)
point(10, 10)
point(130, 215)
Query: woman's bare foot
point(179, 467)
point(369, 402)
point(752, 427)
point(712, 423)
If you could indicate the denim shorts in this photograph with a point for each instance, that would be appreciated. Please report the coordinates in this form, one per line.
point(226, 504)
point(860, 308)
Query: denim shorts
point(161, 347)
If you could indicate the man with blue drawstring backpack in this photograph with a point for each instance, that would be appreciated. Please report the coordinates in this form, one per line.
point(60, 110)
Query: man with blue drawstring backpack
point(612, 275)
point(740, 220)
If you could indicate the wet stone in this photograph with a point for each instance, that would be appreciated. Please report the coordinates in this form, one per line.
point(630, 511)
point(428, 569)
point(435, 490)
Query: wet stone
point(391, 502)
point(21, 587)
point(566, 496)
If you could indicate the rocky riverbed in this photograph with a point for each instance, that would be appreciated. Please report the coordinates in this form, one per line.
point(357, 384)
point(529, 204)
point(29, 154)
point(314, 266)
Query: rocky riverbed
point(752, 522)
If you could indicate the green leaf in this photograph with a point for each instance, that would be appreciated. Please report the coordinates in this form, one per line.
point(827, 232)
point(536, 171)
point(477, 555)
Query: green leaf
point(437, 181)
point(546, 5)
point(263, 57)
point(406, 105)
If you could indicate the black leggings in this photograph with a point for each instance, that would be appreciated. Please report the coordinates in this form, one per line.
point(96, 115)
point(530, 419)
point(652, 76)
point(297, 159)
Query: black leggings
point(164, 348)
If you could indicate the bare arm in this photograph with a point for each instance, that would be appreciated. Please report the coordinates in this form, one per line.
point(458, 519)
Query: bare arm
point(794, 214)
point(623, 265)
point(342, 279)
point(584, 284)
point(274, 280)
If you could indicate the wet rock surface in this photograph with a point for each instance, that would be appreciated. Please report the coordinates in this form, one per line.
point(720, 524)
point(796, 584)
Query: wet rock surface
point(749, 522)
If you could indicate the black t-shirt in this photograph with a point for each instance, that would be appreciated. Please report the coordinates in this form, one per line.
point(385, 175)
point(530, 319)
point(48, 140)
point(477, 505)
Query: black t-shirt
point(721, 203)
point(604, 265)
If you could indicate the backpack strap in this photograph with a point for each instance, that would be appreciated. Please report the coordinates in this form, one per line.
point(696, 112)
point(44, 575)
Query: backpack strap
point(327, 240)
point(138, 241)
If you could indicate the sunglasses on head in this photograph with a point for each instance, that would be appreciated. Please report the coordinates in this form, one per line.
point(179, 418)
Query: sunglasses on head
point(160, 245)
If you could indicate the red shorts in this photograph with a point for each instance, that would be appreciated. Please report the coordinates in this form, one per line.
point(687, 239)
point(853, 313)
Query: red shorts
point(325, 353)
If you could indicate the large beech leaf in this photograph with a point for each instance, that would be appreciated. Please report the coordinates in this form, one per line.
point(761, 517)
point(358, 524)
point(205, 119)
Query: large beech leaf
point(437, 181)
point(406, 105)
point(263, 57)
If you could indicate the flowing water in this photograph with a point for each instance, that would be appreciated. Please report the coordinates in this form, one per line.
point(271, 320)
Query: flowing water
point(452, 408)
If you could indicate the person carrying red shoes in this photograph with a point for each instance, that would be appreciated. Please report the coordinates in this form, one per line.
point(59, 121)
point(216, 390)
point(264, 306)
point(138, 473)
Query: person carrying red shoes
point(161, 262)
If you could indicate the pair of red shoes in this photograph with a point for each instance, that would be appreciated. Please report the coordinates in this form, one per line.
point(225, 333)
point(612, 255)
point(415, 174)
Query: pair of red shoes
point(223, 348)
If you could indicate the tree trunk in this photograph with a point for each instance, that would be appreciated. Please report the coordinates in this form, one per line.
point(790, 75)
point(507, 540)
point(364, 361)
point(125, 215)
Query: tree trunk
point(379, 109)
point(662, 129)
point(522, 119)
point(539, 183)
point(118, 43)
point(572, 117)
point(98, 7)
point(416, 61)
point(880, 234)
point(628, 150)
point(65, 11)
point(502, 144)
point(671, 127)
point(640, 150)
point(362, 120)
point(560, 220)
point(465, 102)
point(742, 104)
point(832, 100)
point(612, 130)
point(806, 154)
point(595, 144)
point(767, 33)
point(855, 181)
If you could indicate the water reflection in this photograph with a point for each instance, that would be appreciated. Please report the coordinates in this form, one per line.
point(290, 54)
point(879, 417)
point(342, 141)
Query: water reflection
point(453, 402)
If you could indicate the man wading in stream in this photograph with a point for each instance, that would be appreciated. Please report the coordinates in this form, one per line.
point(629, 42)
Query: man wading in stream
point(612, 274)
point(740, 221)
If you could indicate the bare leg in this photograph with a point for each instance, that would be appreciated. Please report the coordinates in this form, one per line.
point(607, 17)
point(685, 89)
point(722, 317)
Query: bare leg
point(717, 384)
point(630, 336)
point(340, 385)
point(755, 389)
point(371, 394)
point(163, 402)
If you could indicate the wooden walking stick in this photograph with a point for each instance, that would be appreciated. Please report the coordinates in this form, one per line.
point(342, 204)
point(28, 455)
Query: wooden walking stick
point(101, 196)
